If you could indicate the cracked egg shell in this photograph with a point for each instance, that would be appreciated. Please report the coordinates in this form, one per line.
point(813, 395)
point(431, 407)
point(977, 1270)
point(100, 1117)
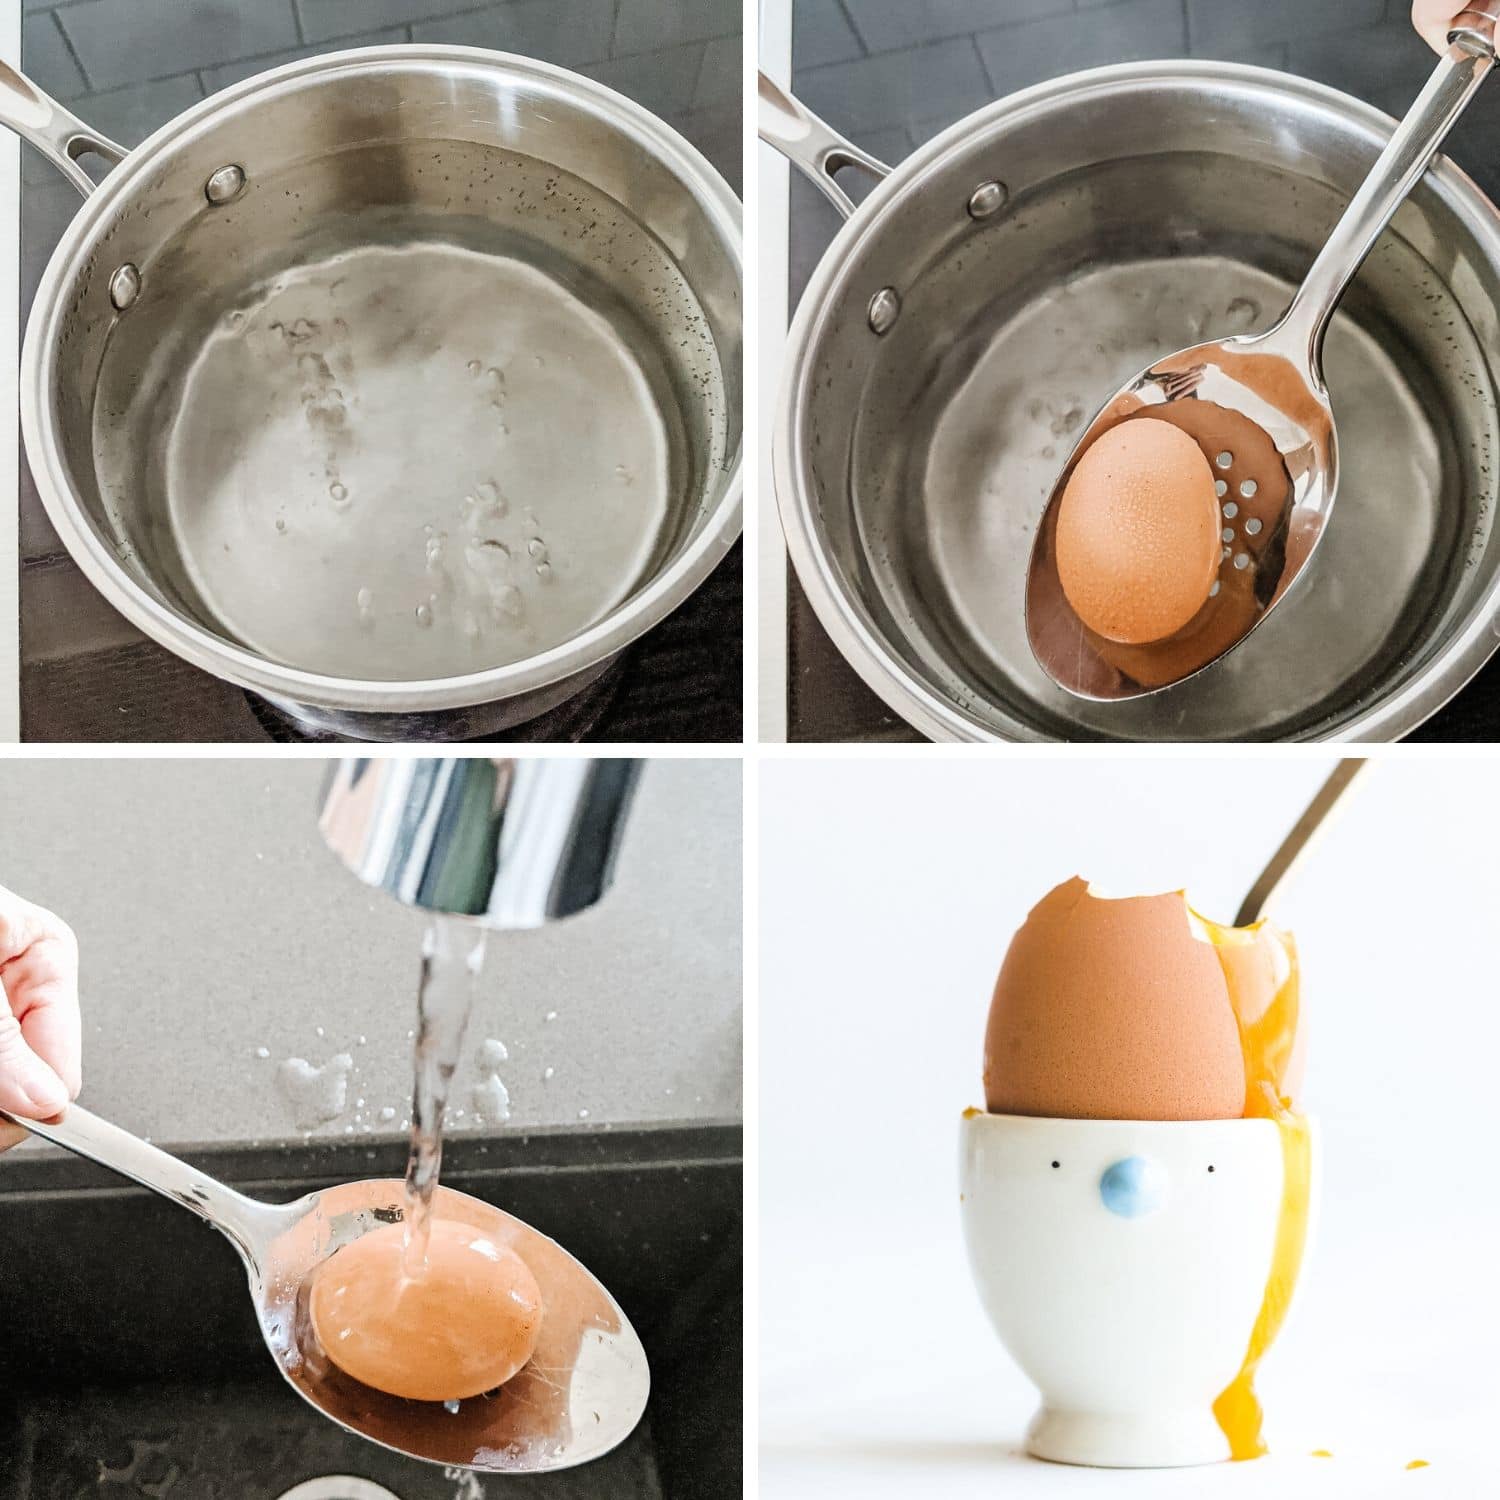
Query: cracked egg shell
point(1113, 1009)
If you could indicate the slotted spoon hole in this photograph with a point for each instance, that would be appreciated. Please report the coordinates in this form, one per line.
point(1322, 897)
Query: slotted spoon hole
point(1225, 459)
point(1221, 488)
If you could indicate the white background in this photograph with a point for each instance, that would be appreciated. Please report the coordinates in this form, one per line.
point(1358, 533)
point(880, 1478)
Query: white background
point(10, 345)
point(889, 890)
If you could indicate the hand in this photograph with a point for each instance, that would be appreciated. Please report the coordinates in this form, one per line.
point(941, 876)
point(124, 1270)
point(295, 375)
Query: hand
point(1433, 18)
point(40, 1029)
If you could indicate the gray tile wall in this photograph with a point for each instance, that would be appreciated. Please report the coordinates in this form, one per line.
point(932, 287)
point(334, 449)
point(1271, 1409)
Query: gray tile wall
point(905, 69)
point(127, 66)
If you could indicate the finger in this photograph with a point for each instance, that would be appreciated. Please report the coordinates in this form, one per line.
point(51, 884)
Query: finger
point(29, 1087)
point(1433, 18)
point(42, 988)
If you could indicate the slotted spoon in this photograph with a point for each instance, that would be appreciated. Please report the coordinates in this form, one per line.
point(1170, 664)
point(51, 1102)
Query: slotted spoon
point(1258, 407)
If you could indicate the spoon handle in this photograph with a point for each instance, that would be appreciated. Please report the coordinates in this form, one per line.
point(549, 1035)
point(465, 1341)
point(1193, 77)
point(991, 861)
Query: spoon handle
point(85, 1134)
point(1295, 845)
point(1466, 64)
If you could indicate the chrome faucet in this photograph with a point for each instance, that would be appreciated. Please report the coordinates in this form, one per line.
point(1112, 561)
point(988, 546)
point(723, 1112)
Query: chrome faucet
point(513, 843)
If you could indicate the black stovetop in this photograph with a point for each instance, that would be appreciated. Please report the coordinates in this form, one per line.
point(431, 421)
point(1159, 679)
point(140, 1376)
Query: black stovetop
point(127, 66)
point(891, 75)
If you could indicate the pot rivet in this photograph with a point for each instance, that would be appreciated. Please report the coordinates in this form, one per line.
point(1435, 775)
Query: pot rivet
point(988, 198)
point(885, 308)
point(124, 286)
point(225, 185)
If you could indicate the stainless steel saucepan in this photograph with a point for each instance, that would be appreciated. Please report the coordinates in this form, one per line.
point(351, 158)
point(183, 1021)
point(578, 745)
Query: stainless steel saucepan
point(400, 386)
point(996, 286)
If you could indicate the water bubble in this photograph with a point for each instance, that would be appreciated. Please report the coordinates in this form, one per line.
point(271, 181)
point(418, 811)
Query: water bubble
point(474, 367)
point(387, 1114)
point(262, 1051)
point(544, 571)
point(537, 548)
point(624, 475)
point(548, 1074)
point(281, 524)
point(550, 1016)
point(492, 1054)
point(506, 602)
point(583, 1114)
point(434, 550)
point(364, 602)
point(488, 555)
point(338, 493)
point(424, 614)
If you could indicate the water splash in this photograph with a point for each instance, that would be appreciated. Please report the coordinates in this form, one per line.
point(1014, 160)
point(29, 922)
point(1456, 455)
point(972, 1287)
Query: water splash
point(491, 1099)
point(316, 1095)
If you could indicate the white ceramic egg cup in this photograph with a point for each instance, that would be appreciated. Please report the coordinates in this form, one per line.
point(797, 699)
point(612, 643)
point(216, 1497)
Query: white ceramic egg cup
point(1122, 1274)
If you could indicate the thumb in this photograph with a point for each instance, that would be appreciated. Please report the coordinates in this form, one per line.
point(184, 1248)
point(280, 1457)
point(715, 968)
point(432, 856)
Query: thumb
point(28, 1087)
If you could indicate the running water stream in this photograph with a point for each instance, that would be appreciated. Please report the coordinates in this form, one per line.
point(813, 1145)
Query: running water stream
point(452, 956)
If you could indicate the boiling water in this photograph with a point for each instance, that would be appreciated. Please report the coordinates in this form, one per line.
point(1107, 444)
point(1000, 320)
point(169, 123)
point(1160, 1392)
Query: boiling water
point(452, 956)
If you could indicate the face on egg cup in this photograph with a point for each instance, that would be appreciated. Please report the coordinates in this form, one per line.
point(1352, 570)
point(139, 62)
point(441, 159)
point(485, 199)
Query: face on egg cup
point(1123, 1264)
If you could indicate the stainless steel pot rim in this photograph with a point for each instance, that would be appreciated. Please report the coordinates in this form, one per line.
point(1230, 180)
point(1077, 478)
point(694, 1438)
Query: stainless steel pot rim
point(213, 653)
point(845, 619)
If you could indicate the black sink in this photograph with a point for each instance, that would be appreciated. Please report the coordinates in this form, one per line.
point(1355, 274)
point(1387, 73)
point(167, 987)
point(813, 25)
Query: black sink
point(131, 1364)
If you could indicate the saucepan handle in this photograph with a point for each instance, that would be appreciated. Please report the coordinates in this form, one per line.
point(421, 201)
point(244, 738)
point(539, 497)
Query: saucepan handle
point(815, 148)
point(60, 136)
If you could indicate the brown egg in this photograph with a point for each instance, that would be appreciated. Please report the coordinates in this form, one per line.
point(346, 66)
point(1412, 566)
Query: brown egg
point(463, 1326)
point(1112, 1010)
point(1137, 538)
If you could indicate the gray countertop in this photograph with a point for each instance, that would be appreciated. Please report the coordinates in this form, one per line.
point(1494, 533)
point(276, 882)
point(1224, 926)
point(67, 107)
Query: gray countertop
point(220, 939)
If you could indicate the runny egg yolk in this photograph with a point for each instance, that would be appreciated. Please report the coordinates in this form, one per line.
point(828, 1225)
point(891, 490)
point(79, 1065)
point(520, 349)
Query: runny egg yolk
point(1138, 532)
point(466, 1324)
point(1262, 976)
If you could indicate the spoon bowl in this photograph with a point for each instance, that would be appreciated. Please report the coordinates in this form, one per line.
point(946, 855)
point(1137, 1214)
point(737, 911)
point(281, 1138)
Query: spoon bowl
point(581, 1394)
point(1258, 407)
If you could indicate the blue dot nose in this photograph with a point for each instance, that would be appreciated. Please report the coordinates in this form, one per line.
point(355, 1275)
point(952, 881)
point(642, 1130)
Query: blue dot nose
point(1133, 1186)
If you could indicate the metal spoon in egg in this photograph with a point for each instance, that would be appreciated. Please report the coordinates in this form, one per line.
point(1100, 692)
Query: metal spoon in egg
point(580, 1395)
point(1257, 406)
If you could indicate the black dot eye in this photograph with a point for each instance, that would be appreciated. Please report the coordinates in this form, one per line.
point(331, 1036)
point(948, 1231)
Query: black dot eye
point(1210, 1166)
point(1058, 1164)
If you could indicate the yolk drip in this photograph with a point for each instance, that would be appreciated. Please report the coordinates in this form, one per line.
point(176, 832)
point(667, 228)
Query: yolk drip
point(1260, 971)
